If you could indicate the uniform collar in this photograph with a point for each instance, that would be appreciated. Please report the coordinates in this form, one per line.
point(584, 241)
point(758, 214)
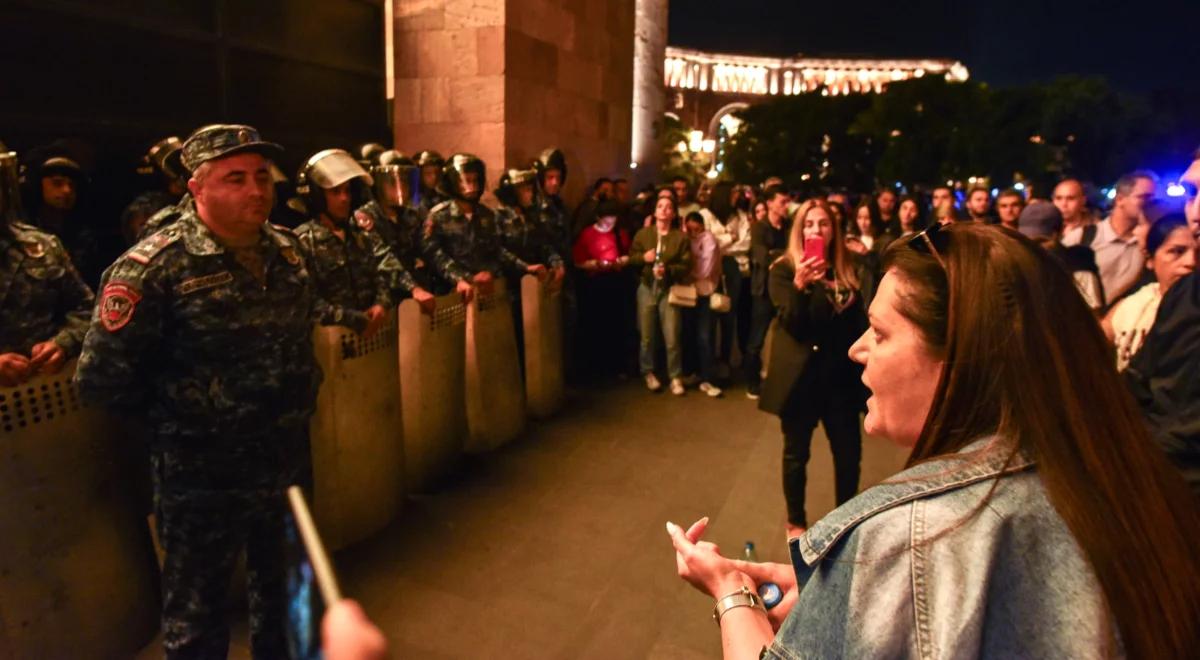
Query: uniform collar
point(983, 459)
point(199, 240)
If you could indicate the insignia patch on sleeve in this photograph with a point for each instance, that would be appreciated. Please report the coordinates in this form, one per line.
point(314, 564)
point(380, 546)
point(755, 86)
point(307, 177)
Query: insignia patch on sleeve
point(116, 305)
point(365, 222)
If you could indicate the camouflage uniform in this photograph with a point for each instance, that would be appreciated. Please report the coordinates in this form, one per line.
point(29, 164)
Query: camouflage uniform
point(402, 236)
point(553, 215)
point(167, 215)
point(41, 294)
point(428, 200)
point(460, 247)
point(528, 240)
point(351, 275)
point(221, 363)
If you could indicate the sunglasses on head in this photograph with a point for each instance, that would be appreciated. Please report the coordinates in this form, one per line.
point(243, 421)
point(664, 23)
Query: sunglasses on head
point(928, 240)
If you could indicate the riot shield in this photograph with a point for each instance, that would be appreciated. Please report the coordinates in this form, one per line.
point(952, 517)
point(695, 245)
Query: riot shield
point(77, 572)
point(432, 388)
point(494, 393)
point(541, 311)
point(358, 459)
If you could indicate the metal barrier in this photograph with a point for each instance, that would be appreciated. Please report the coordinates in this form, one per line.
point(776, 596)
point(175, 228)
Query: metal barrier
point(541, 311)
point(357, 451)
point(77, 573)
point(432, 390)
point(495, 396)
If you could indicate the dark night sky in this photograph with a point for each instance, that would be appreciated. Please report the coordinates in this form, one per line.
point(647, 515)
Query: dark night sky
point(1136, 45)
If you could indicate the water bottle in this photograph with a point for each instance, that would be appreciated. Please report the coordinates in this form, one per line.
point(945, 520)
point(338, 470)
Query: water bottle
point(769, 592)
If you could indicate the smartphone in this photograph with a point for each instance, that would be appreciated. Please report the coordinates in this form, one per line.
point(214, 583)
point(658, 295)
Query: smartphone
point(311, 587)
point(814, 247)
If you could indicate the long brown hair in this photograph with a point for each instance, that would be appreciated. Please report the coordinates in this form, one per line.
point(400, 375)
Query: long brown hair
point(845, 269)
point(1026, 359)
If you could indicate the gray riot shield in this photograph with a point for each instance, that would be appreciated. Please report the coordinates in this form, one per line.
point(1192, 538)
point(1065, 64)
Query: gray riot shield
point(357, 451)
point(432, 389)
point(77, 572)
point(494, 393)
point(541, 311)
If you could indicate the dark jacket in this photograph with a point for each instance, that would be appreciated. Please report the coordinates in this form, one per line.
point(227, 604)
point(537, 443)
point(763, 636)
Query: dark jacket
point(766, 245)
point(1163, 377)
point(810, 342)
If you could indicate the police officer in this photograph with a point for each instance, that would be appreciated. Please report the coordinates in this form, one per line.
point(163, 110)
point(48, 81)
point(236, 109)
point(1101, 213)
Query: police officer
point(53, 182)
point(521, 230)
point(206, 328)
point(369, 153)
point(428, 195)
point(351, 267)
point(397, 223)
point(551, 168)
point(161, 161)
point(461, 235)
point(44, 304)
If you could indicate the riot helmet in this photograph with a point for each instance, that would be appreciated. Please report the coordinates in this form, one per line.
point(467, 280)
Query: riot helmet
point(430, 163)
point(551, 159)
point(463, 177)
point(165, 158)
point(66, 180)
point(508, 190)
point(327, 170)
point(368, 154)
point(396, 179)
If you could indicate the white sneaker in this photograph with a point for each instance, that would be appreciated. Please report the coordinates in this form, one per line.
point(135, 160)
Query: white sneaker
point(710, 389)
point(652, 383)
point(677, 387)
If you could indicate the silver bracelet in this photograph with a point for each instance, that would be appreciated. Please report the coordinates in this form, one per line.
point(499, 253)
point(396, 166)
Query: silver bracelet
point(744, 597)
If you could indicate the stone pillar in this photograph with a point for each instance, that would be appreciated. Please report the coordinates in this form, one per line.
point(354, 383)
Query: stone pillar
point(504, 79)
point(649, 86)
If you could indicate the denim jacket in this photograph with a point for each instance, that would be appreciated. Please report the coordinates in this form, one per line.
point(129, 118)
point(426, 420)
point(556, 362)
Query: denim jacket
point(934, 563)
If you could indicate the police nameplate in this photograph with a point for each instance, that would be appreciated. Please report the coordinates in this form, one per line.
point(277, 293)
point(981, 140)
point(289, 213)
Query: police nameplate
point(205, 282)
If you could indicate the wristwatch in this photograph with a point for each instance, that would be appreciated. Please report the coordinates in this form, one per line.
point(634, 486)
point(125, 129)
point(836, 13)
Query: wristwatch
point(744, 597)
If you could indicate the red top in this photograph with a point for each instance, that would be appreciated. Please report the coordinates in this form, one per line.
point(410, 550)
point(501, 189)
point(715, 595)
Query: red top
point(601, 246)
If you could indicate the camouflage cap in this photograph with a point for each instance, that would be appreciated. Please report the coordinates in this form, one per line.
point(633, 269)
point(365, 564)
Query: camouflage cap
point(221, 140)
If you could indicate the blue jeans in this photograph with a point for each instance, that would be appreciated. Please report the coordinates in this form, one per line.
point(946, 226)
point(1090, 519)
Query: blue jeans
point(658, 317)
point(699, 328)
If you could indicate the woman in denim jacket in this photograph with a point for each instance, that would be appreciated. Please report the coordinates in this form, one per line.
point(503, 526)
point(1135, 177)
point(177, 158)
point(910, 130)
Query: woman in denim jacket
point(1035, 518)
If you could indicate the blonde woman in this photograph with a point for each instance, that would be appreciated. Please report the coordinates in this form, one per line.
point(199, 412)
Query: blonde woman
point(816, 287)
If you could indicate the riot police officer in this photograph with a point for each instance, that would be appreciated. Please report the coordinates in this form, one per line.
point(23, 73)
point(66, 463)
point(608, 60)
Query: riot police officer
point(428, 195)
point(205, 328)
point(521, 230)
point(43, 301)
point(369, 153)
point(397, 223)
point(461, 236)
point(351, 267)
point(551, 168)
point(162, 162)
point(53, 183)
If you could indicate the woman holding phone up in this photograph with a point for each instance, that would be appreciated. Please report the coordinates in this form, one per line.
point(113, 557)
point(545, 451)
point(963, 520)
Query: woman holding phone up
point(816, 287)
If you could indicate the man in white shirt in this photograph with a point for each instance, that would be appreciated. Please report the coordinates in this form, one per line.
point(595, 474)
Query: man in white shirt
point(1118, 254)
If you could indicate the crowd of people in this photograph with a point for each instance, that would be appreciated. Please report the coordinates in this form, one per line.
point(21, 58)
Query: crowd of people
point(203, 325)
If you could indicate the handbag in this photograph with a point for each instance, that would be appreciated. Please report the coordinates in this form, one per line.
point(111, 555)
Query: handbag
point(682, 295)
point(720, 301)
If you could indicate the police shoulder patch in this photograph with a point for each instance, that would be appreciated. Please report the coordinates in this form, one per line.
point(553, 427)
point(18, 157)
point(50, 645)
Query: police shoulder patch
point(117, 303)
point(145, 251)
point(364, 220)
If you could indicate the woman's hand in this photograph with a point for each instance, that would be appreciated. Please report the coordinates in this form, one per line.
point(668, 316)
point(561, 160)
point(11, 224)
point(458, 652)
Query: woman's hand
point(855, 245)
point(782, 575)
point(700, 563)
point(808, 271)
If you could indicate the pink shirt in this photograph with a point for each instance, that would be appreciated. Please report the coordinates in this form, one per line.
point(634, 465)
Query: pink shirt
point(706, 263)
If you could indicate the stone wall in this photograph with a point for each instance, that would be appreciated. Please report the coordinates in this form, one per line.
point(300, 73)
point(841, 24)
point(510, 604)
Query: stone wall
point(506, 78)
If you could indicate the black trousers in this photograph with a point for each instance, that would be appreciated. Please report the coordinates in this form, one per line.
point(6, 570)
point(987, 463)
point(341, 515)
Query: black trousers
point(761, 313)
point(839, 415)
point(737, 287)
